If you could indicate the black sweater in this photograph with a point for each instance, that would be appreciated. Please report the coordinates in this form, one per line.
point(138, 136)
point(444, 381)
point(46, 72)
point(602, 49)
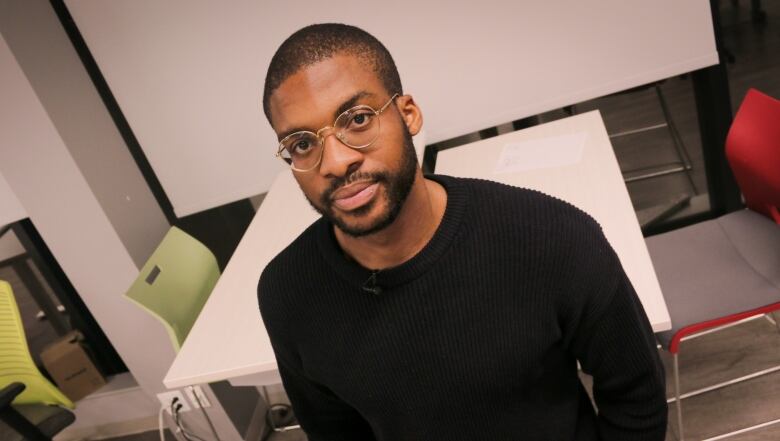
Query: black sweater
point(476, 337)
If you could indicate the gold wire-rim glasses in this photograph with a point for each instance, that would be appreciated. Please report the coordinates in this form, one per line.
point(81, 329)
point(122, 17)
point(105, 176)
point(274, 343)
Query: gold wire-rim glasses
point(339, 135)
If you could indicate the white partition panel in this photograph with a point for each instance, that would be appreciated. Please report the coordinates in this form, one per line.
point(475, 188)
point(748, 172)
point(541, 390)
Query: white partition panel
point(188, 74)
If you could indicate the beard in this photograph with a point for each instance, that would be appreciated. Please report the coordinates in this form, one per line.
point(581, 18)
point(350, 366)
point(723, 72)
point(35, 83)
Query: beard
point(397, 186)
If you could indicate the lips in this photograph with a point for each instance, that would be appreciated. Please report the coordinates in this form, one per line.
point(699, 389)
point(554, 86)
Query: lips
point(354, 195)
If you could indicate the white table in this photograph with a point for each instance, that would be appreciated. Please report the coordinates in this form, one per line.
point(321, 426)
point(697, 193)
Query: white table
point(571, 159)
point(228, 341)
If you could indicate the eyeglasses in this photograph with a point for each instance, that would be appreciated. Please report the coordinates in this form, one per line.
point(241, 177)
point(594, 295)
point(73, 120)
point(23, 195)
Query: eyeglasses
point(357, 128)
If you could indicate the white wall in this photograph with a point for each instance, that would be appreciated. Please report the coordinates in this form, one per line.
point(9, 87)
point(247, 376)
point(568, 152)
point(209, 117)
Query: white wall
point(188, 74)
point(10, 208)
point(10, 211)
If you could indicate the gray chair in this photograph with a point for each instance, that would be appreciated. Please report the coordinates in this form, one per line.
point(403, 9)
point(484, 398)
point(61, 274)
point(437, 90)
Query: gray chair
point(31, 422)
point(724, 270)
point(714, 273)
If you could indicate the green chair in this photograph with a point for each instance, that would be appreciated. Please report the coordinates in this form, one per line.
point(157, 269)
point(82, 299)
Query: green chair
point(175, 283)
point(31, 407)
point(173, 286)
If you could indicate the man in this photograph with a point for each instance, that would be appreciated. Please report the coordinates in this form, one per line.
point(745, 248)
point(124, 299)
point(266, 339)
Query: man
point(436, 308)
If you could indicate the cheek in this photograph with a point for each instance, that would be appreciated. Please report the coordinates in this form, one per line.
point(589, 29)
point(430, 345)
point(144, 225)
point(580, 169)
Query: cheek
point(388, 153)
point(391, 155)
point(310, 187)
point(396, 143)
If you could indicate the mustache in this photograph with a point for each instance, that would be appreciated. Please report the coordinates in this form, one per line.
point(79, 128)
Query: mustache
point(337, 183)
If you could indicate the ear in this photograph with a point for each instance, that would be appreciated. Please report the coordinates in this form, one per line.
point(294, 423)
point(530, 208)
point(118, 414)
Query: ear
point(410, 113)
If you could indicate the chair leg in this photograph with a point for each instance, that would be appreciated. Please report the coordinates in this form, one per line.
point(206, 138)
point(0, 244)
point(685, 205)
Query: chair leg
point(679, 146)
point(775, 317)
point(677, 398)
point(21, 425)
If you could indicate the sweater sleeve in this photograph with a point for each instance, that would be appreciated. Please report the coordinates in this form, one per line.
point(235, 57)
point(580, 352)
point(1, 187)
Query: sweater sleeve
point(321, 414)
point(610, 335)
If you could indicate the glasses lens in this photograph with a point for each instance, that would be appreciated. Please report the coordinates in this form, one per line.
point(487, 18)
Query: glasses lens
point(301, 150)
point(358, 127)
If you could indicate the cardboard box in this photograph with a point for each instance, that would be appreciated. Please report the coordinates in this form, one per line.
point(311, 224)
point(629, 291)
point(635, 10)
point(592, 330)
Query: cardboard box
point(67, 362)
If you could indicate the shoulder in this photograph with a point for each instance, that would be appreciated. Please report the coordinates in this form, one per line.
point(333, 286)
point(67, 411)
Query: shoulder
point(556, 231)
point(524, 207)
point(562, 239)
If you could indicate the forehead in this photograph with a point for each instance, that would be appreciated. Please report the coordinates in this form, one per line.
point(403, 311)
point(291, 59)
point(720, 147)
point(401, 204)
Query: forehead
point(310, 96)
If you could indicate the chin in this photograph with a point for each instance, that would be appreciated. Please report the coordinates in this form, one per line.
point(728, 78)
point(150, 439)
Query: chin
point(365, 220)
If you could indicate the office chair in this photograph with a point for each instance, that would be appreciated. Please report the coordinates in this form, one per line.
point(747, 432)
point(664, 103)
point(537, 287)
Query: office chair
point(30, 406)
point(724, 270)
point(175, 283)
point(753, 150)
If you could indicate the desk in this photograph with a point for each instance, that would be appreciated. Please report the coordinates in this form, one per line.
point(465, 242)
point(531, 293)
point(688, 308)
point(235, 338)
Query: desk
point(584, 172)
point(228, 341)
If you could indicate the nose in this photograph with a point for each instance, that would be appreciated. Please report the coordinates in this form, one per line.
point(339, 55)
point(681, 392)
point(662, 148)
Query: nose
point(338, 159)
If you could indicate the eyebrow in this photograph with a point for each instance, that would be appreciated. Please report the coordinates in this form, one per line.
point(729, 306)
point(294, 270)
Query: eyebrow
point(346, 105)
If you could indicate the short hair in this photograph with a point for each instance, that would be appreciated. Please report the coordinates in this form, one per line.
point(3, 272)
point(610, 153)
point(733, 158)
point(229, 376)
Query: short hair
point(318, 42)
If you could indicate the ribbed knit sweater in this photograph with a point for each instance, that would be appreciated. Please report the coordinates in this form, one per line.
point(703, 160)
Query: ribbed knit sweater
point(476, 337)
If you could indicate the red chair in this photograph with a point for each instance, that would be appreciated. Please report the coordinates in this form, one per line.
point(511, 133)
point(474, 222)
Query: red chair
point(724, 270)
point(753, 150)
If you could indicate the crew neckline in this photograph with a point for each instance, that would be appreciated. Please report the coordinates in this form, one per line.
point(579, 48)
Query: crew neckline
point(356, 274)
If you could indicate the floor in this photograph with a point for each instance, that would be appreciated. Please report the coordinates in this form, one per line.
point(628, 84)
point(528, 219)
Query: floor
point(712, 358)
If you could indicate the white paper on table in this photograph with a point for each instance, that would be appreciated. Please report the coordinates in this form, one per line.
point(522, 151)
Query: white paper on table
point(555, 151)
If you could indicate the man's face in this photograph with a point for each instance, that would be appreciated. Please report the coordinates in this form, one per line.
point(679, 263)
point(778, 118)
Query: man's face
point(363, 191)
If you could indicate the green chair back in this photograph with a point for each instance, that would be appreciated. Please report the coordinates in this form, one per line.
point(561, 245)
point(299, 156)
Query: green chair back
point(16, 364)
point(175, 283)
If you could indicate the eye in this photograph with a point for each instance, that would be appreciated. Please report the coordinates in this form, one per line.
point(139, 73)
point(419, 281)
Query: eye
point(300, 144)
point(300, 147)
point(360, 120)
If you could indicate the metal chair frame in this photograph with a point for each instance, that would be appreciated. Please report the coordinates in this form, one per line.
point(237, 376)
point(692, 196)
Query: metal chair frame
point(684, 165)
point(678, 397)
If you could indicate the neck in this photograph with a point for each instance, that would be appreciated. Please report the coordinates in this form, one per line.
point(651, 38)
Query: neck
point(407, 235)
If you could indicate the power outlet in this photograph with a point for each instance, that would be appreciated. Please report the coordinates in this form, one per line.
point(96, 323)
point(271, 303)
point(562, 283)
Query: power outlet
point(166, 398)
point(191, 391)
